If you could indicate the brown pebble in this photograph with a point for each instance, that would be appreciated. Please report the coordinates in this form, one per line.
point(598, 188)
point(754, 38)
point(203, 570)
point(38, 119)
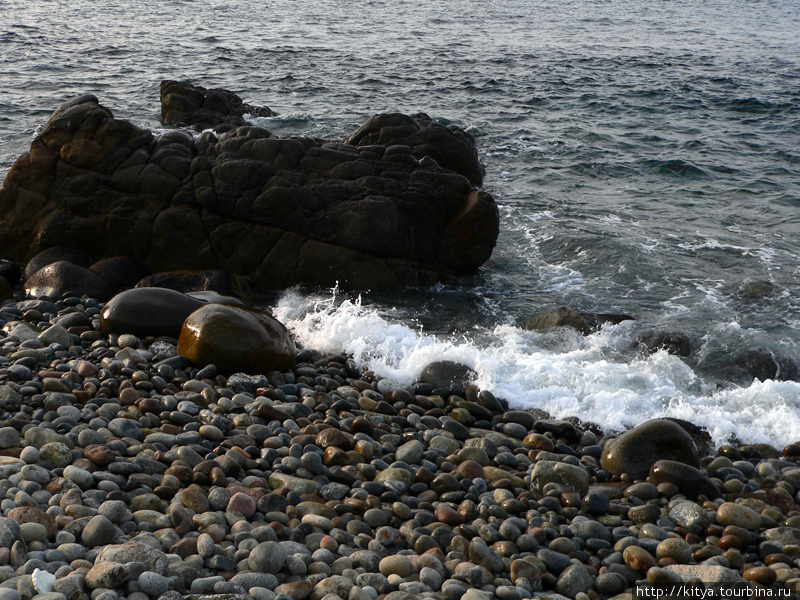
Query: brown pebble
point(638, 559)
point(729, 541)
point(449, 516)
point(762, 575)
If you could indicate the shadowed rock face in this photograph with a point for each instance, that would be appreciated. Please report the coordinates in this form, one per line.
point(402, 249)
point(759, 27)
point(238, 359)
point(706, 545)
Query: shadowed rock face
point(281, 211)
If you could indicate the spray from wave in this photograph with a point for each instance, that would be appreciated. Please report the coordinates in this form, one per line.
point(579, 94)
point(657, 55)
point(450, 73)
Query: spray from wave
point(596, 378)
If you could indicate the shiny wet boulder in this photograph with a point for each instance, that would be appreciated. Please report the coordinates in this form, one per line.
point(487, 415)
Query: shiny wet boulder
point(236, 340)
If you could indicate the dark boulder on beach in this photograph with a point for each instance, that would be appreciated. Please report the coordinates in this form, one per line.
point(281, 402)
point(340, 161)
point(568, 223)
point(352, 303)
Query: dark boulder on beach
point(236, 340)
point(148, 312)
point(56, 254)
point(282, 211)
point(120, 272)
point(635, 451)
point(187, 105)
point(444, 373)
point(58, 278)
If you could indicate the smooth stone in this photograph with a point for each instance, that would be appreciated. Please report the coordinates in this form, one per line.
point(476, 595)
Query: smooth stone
point(635, 451)
point(445, 373)
point(677, 549)
point(267, 557)
point(689, 480)
point(705, 573)
point(571, 476)
point(398, 564)
point(574, 580)
point(410, 452)
point(730, 513)
point(146, 312)
point(236, 340)
point(54, 280)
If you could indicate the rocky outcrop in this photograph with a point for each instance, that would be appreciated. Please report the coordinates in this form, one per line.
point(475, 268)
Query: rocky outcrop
point(187, 105)
point(450, 147)
point(281, 211)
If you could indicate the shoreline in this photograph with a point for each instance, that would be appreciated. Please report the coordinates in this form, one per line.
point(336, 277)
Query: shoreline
point(131, 471)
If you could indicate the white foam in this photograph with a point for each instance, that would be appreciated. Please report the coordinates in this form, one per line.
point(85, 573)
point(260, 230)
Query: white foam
point(561, 372)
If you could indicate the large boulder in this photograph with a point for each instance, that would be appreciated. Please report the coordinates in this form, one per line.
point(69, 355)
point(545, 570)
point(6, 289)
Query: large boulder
point(187, 105)
point(281, 211)
point(635, 451)
point(236, 340)
point(148, 312)
point(55, 280)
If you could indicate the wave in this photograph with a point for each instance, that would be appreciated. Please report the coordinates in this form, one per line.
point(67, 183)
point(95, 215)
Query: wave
point(560, 371)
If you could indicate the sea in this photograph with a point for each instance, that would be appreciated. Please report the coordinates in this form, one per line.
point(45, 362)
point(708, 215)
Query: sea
point(645, 158)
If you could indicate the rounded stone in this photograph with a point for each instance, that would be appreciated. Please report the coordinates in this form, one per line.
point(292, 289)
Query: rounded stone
point(398, 564)
point(153, 584)
point(146, 312)
point(236, 340)
point(242, 503)
point(267, 557)
point(730, 513)
point(677, 549)
point(9, 437)
point(635, 451)
point(574, 580)
point(56, 453)
point(689, 480)
point(638, 559)
point(761, 575)
point(99, 531)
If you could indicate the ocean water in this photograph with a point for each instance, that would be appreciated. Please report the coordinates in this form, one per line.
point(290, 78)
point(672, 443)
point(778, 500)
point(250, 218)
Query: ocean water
point(645, 158)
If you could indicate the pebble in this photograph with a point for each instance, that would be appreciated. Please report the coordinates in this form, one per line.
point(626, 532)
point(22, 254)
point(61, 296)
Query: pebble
point(154, 480)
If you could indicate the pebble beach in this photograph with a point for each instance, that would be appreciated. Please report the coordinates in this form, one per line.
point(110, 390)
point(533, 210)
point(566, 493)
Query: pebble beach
point(129, 473)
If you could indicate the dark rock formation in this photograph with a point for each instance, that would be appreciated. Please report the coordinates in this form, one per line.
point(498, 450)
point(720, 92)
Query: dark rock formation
point(187, 105)
point(56, 254)
point(451, 147)
point(281, 211)
point(444, 373)
point(236, 340)
point(744, 367)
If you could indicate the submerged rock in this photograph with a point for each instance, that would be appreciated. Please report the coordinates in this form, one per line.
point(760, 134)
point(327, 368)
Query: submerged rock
point(674, 342)
point(563, 316)
point(444, 373)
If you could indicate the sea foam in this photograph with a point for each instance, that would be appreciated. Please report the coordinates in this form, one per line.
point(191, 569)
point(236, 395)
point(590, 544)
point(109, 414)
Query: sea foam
point(598, 378)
